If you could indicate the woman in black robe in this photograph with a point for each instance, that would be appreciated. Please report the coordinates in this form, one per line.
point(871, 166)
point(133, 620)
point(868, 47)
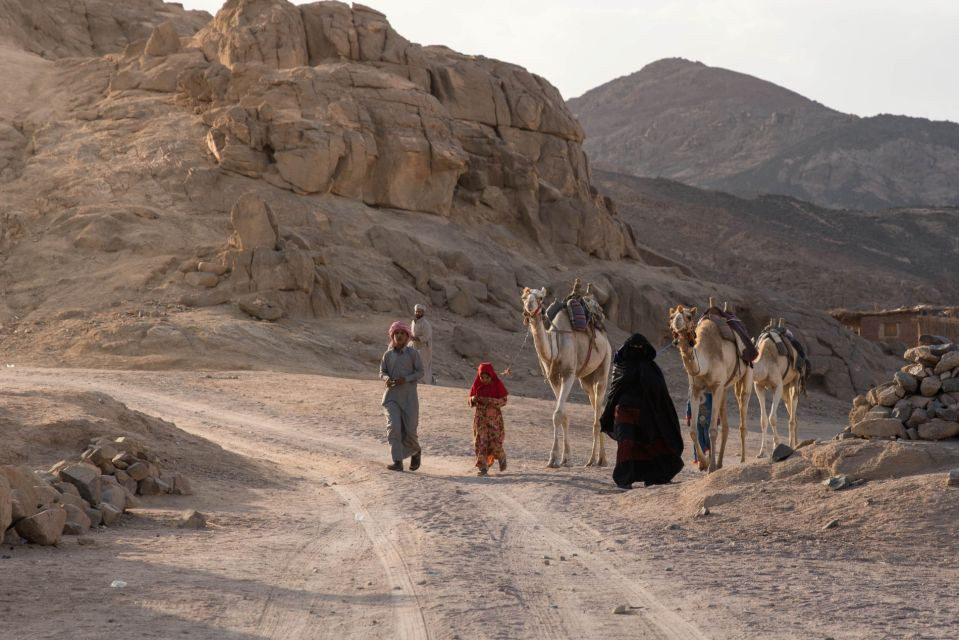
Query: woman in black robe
point(640, 416)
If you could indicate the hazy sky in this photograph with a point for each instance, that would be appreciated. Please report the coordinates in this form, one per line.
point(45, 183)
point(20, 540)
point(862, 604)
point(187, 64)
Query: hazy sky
point(859, 56)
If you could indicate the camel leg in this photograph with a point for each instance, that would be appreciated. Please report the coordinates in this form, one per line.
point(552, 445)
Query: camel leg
point(557, 421)
point(774, 412)
point(724, 423)
point(742, 398)
point(694, 403)
point(561, 420)
point(763, 421)
point(792, 405)
point(597, 455)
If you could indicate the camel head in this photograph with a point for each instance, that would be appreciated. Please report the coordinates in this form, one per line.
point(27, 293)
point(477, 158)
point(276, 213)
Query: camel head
point(533, 300)
point(682, 325)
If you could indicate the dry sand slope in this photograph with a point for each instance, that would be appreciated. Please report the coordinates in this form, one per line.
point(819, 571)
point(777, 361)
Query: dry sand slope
point(312, 538)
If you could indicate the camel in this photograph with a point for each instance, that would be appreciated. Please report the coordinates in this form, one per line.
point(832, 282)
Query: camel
point(713, 365)
point(565, 355)
point(772, 371)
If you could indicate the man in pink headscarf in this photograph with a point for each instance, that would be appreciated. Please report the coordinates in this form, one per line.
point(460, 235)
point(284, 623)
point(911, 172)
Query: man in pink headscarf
point(401, 369)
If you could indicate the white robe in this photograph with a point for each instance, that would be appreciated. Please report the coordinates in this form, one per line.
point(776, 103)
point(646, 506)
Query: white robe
point(423, 341)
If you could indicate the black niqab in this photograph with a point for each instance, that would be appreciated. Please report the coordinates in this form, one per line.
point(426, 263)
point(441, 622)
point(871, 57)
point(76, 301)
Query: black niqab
point(638, 383)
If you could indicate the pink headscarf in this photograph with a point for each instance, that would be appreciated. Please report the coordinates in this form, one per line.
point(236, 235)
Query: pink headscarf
point(396, 327)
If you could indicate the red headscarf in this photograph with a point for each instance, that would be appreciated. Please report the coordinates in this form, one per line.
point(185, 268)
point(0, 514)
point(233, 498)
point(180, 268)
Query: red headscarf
point(396, 327)
point(494, 389)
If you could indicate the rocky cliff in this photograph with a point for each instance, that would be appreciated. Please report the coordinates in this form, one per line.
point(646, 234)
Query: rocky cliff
point(716, 128)
point(274, 189)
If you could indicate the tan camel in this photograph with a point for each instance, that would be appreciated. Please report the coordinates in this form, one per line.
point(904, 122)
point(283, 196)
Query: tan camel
point(565, 356)
point(713, 365)
point(777, 373)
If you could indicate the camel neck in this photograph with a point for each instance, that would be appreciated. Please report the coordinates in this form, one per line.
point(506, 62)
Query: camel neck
point(690, 362)
point(541, 340)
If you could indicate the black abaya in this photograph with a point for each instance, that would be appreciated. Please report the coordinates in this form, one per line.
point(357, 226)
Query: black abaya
point(640, 416)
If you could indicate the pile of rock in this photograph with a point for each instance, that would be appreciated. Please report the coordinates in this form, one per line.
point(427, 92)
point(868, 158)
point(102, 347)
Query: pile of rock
point(922, 401)
point(73, 496)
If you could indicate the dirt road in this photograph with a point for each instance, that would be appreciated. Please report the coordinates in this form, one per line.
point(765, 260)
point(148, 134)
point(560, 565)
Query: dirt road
point(323, 542)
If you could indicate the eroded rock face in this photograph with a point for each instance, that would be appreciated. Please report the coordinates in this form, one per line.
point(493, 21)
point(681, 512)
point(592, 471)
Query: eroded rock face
point(328, 98)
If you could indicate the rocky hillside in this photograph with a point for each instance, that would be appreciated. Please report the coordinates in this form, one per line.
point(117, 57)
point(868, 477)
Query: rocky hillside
point(61, 28)
point(273, 190)
point(792, 250)
point(724, 130)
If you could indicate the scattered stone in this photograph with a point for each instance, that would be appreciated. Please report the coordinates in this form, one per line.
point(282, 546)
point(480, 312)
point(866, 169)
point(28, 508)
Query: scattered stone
point(78, 522)
point(703, 512)
point(95, 516)
point(148, 487)
point(879, 428)
point(832, 524)
point(86, 541)
point(938, 430)
point(138, 471)
point(673, 527)
point(109, 514)
point(86, 478)
point(953, 478)
point(622, 610)
point(196, 520)
point(66, 489)
point(45, 528)
point(181, 485)
point(781, 452)
point(837, 483)
point(806, 443)
point(930, 386)
point(907, 381)
point(201, 279)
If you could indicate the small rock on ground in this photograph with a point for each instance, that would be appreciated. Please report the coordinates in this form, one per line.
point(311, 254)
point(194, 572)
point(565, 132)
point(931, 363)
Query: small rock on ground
point(192, 520)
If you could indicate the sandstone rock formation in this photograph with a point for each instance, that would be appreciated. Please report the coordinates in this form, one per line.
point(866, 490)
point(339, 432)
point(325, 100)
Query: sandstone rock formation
point(325, 98)
point(62, 28)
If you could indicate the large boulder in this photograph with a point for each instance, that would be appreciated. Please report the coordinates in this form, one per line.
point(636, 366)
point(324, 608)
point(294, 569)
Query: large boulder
point(948, 361)
point(261, 31)
point(938, 430)
point(86, 478)
point(44, 527)
point(25, 499)
point(879, 428)
point(930, 386)
point(77, 521)
point(254, 225)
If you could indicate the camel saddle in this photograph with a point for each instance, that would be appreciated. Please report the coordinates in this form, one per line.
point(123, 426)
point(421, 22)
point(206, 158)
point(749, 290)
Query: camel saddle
point(583, 312)
point(731, 328)
point(796, 357)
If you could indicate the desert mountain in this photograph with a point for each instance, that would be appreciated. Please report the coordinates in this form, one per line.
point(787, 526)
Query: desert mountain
point(272, 190)
point(793, 250)
point(720, 129)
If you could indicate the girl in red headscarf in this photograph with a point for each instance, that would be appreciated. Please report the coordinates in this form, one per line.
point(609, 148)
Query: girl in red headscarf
point(488, 395)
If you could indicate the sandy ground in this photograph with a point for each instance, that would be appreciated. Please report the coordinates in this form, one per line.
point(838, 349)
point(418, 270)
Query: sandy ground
point(317, 540)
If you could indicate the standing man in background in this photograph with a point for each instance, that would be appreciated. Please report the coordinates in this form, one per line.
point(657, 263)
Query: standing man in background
point(423, 341)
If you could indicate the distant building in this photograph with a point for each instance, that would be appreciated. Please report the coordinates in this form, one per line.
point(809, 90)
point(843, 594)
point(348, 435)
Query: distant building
point(903, 325)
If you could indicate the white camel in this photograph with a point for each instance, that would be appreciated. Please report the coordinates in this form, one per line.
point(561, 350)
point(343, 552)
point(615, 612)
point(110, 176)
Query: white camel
point(772, 371)
point(713, 365)
point(565, 356)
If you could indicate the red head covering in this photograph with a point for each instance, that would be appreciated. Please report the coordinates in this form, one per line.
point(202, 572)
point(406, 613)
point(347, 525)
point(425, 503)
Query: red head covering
point(494, 389)
point(396, 327)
